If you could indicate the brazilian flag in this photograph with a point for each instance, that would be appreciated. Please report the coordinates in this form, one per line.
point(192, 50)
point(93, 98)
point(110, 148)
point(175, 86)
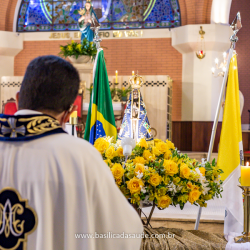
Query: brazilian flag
point(100, 119)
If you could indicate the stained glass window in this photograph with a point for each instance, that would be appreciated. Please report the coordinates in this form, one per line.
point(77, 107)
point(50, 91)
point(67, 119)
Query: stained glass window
point(58, 15)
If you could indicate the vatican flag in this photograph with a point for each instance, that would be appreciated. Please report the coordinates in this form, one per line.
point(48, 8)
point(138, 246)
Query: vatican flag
point(231, 154)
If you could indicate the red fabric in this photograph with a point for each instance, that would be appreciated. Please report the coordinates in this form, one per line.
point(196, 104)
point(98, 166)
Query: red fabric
point(78, 102)
point(10, 108)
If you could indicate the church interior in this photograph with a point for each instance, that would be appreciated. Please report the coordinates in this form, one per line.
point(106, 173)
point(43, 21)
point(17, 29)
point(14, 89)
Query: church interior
point(179, 50)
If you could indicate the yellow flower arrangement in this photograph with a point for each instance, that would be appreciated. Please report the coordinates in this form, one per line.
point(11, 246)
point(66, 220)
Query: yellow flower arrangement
point(167, 154)
point(170, 144)
point(76, 49)
point(134, 185)
point(170, 167)
point(110, 153)
point(160, 174)
point(184, 171)
point(108, 162)
point(79, 47)
point(70, 48)
point(161, 191)
point(119, 152)
point(193, 196)
point(202, 170)
point(155, 179)
point(157, 141)
point(148, 156)
point(117, 171)
point(143, 143)
point(101, 145)
point(156, 151)
point(164, 201)
point(139, 168)
point(139, 160)
point(162, 147)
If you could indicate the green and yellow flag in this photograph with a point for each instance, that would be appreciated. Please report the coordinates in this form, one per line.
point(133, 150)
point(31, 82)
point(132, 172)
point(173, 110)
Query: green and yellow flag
point(231, 153)
point(100, 119)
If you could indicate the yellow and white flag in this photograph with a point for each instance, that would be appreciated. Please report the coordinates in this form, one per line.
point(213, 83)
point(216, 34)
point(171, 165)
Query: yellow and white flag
point(231, 154)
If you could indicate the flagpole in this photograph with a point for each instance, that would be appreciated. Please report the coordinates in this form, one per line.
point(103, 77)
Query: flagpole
point(236, 26)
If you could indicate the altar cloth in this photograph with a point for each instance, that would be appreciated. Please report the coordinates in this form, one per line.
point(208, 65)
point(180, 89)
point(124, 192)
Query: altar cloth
point(231, 245)
point(180, 239)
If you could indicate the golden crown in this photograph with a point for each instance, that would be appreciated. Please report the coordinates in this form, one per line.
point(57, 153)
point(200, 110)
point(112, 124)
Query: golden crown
point(136, 81)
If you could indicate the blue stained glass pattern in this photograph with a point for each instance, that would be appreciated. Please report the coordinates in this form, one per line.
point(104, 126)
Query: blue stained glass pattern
point(58, 15)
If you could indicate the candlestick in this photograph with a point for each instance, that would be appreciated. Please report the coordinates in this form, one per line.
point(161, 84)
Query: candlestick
point(245, 237)
point(116, 76)
point(245, 175)
point(73, 118)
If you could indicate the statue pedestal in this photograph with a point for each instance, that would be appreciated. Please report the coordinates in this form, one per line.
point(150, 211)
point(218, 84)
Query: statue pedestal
point(86, 74)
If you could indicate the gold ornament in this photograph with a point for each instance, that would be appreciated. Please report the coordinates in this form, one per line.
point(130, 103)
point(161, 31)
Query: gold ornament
point(136, 81)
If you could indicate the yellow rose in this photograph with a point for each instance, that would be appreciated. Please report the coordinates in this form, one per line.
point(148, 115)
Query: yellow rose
point(155, 179)
point(143, 143)
point(101, 145)
point(156, 151)
point(193, 196)
point(139, 168)
point(167, 154)
point(119, 152)
point(148, 156)
point(134, 185)
point(139, 159)
point(170, 144)
point(117, 171)
point(184, 171)
point(157, 141)
point(162, 147)
point(202, 170)
point(72, 41)
point(171, 167)
point(110, 153)
point(164, 201)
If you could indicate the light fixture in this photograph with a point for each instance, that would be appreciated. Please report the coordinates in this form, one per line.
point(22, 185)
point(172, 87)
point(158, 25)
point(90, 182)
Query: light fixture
point(200, 52)
point(128, 144)
point(221, 66)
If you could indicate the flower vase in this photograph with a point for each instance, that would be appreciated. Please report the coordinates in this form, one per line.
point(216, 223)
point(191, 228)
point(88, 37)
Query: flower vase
point(124, 98)
point(80, 59)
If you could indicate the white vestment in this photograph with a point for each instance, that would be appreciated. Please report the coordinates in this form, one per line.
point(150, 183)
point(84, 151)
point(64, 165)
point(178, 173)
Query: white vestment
point(72, 191)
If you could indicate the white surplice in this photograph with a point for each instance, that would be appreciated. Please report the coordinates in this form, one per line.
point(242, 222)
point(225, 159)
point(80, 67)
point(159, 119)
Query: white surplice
point(72, 191)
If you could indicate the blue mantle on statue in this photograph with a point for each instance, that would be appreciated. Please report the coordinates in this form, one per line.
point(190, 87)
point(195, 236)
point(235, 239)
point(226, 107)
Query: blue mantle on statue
point(143, 126)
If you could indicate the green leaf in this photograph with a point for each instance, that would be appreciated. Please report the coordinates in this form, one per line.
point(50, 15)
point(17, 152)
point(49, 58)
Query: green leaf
point(213, 162)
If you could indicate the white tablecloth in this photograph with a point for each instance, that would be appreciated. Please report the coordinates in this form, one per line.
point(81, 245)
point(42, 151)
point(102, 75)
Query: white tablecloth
point(231, 245)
